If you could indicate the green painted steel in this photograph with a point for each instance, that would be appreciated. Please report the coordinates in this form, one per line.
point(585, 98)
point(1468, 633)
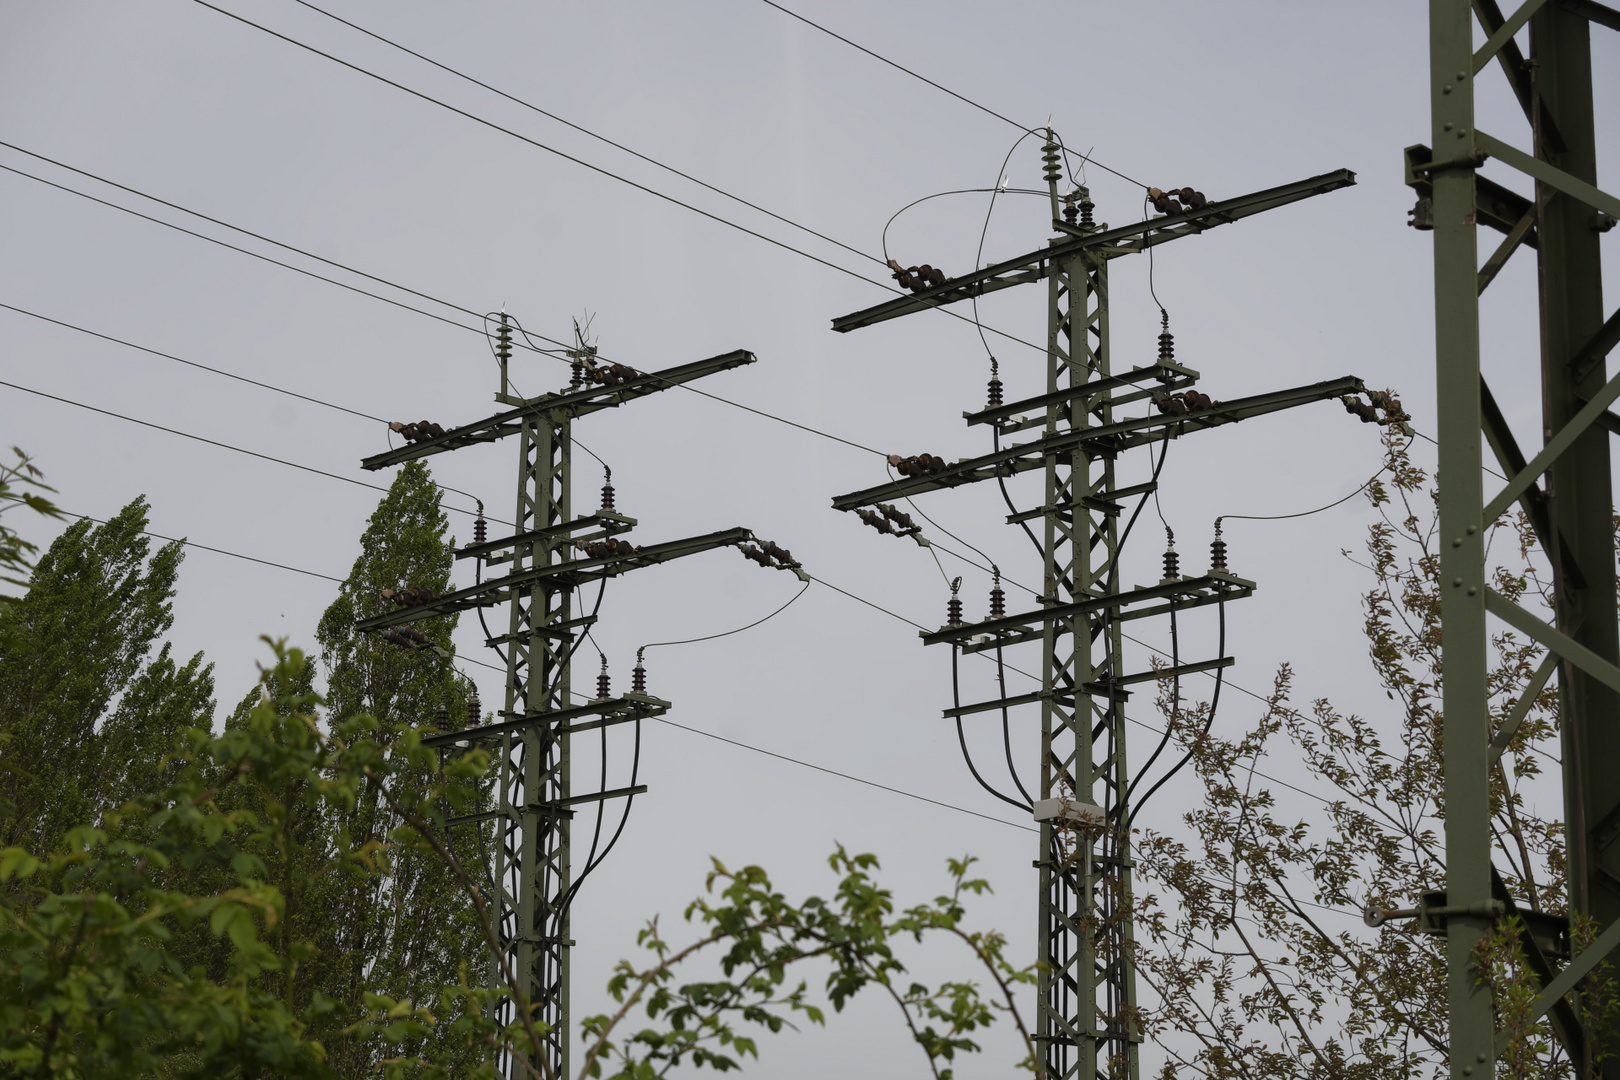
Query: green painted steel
point(1572, 514)
point(1087, 1023)
point(531, 872)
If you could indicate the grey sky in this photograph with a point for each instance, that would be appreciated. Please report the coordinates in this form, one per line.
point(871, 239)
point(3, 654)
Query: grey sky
point(178, 101)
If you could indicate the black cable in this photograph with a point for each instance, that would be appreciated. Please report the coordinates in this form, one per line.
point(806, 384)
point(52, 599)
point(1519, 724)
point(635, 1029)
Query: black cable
point(635, 771)
point(1209, 722)
point(935, 85)
point(1006, 728)
point(249, 252)
point(215, 550)
point(1307, 513)
point(961, 737)
point(586, 131)
point(561, 346)
point(727, 633)
point(580, 161)
point(884, 241)
point(212, 442)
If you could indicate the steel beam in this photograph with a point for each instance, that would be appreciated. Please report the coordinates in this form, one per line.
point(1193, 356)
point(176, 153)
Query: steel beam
point(1106, 439)
point(1127, 239)
point(571, 404)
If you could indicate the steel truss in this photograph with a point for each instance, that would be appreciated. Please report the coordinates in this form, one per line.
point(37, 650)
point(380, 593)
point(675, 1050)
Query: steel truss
point(1088, 1024)
point(531, 877)
point(1565, 489)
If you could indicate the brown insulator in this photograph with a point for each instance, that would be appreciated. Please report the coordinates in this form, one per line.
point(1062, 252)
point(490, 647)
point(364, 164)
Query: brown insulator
point(998, 598)
point(995, 385)
point(1086, 207)
point(607, 495)
point(1217, 550)
point(953, 611)
point(1421, 216)
point(503, 339)
point(1163, 204)
point(906, 281)
point(1167, 340)
point(936, 277)
point(1071, 213)
point(1172, 563)
point(638, 676)
point(386, 594)
point(603, 689)
point(1051, 170)
point(475, 711)
point(441, 718)
point(576, 377)
point(1175, 406)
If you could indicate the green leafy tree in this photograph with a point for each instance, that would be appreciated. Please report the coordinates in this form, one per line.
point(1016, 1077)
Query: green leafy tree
point(87, 712)
point(1255, 945)
point(16, 480)
point(404, 934)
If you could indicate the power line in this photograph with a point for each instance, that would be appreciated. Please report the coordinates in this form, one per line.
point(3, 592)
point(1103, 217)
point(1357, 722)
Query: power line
point(192, 363)
point(215, 550)
point(251, 253)
point(671, 723)
point(222, 445)
point(597, 168)
point(846, 776)
point(943, 89)
point(587, 131)
point(361, 273)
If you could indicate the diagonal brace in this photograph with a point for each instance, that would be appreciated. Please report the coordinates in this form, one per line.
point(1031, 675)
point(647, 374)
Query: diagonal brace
point(1565, 646)
point(1553, 450)
point(1576, 970)
point(1547, 174)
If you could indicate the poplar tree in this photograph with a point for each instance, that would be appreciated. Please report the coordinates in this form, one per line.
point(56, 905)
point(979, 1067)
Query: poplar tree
point(87, 712)
point(407, 934)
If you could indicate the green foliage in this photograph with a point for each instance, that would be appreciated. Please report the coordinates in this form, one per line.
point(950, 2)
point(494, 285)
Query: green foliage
point(758, 937)
point(1259, 959)
point(75, 644)
point(92, 981)
point(15, 480)
point(407, 934)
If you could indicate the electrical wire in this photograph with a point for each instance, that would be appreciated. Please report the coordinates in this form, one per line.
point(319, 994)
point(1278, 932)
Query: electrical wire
point(844, 775)
point(585, 164)
point(218, 551)
point(961, 737)
point(1307, 513)
point(935, 85)
point(561, 347)
point(884, 241)
point(585, 131)
point(1209, 722)
point(214, 442)
point(727, 633)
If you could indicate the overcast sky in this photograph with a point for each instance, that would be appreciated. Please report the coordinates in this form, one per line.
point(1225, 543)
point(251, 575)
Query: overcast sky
point(181, 102)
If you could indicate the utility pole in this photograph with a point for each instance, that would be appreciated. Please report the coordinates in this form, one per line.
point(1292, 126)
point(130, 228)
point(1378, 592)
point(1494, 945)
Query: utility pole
point(1087, 1024)
point(551, 554)
point(1571, 512)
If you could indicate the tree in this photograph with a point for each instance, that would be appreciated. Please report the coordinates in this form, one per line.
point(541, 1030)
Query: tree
point(86, 713)
point(15, 480)
point(1258, 952)
point(407, 933)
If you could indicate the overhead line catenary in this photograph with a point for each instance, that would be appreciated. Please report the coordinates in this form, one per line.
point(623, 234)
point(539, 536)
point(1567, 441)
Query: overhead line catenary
point(598, 169)
point(734, 742)
point(222, 445)
point(587, 131)
point(561, 346)
point(1087, 158)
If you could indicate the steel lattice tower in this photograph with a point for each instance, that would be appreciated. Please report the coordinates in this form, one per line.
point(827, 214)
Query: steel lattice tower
point(550, 555)
point(1087, 1021)
point(1565, 490)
